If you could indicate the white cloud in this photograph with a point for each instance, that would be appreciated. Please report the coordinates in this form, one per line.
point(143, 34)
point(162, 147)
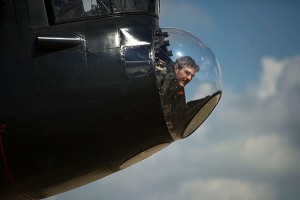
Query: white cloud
point(271, 154)
point(271, 71)
point(216, 189)
point(257, 122)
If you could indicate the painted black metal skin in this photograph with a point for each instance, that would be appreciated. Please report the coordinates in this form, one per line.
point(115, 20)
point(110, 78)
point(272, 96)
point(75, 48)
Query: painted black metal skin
point(69, 112)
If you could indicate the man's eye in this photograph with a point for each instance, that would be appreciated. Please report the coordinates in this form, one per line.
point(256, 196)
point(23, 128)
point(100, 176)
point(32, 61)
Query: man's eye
point(187, 73)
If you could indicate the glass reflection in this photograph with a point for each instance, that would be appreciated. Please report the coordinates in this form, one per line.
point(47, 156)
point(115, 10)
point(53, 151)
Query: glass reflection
point(69, 10)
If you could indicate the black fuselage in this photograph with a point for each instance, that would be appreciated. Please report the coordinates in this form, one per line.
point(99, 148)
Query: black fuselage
point(73, 105)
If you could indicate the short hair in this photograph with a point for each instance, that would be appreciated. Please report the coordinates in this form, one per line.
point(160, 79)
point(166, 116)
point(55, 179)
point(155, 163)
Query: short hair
point(186, 60)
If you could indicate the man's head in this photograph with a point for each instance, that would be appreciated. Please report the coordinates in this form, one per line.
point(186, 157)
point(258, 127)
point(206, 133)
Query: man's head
point(185, 70)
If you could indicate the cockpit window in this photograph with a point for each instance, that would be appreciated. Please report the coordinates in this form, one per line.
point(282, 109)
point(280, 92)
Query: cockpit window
point(69, 10)
point(189, 80)
point(137, 61)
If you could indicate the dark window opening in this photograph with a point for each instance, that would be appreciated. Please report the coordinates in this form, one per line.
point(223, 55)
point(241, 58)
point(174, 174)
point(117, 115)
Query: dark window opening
point(137, 61)
point(70, 10)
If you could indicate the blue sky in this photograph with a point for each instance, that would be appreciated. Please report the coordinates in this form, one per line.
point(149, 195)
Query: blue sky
point(249, 148)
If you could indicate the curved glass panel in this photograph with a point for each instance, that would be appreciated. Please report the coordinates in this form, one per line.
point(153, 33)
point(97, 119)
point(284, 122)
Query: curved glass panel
point(69, 10)
point(137, 61)
point(189, 79)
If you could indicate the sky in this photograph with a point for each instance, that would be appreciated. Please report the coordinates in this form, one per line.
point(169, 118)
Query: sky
point(249, 147)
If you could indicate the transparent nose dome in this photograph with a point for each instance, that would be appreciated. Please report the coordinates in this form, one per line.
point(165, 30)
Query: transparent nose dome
point(189, 80)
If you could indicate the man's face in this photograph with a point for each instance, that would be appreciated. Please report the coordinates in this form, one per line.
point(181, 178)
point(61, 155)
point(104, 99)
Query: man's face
point(184, 75)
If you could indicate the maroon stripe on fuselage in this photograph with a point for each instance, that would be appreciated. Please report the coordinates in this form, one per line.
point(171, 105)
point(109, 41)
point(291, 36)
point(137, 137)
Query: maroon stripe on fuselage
point(6, 167)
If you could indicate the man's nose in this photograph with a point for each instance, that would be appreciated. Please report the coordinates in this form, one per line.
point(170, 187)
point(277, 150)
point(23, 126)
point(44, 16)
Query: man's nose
point(189, 77)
